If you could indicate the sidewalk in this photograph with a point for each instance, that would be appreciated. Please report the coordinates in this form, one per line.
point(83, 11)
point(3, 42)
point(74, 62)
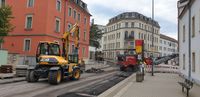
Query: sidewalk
point(160, 85)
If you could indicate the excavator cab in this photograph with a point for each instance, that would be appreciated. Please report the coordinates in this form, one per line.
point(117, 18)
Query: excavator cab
point(47, 48)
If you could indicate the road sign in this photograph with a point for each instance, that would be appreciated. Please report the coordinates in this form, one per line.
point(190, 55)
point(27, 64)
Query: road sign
point(139, 46)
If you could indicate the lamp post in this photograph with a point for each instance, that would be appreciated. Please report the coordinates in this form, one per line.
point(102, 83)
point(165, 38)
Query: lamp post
point(152, 23)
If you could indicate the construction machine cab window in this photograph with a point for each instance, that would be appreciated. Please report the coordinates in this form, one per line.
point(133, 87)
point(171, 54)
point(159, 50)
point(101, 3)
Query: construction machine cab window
point(49, 49)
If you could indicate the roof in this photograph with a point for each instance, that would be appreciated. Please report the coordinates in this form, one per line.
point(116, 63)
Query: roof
point(131, 16)
point(186, 4)
point(168, 38)
point(82, 5)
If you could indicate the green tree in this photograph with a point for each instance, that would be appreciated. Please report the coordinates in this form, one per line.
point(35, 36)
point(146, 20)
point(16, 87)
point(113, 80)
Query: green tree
point(95, 36)
point(5, 25)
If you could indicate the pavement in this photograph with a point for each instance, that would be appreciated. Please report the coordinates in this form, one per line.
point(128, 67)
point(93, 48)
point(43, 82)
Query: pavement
point(160, 85)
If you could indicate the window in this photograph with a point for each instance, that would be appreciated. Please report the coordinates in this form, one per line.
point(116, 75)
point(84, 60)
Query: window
point(77, 1)
point(58, 5)
point(105, 38)
point(132, 24)
point(84, 35)
point(29, 21)
point(132, 33)
point(2, 3)
point(118, 45)
point(85, 20)
point(83, 52)
point(57, 28)
point(142, 26)
point(30, 3)
point(132, 43)
point(183, 61)
point(139, 25)
point(74, 14)
point(160, 48)
point(126, 34)
point(79, 17)
point(164, 48)
point(139, 36)
point(73, 49)
point(69, 26)
point(126, 24)
point(104, 46)
point(193, 62)
point(145, 27)
point(69, 11)
point(1, 46)
point(193, 26)
point(27, 44)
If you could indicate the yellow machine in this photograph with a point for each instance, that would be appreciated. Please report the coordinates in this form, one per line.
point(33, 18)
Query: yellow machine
point(54, 66)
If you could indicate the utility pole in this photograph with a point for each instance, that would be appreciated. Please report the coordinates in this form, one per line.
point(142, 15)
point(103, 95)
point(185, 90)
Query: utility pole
point(152, 23)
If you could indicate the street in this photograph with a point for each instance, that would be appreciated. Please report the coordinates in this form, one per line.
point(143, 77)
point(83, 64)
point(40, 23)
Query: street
point(44, 89)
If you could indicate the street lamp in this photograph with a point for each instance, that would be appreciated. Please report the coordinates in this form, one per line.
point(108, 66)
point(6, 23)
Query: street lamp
point(152, 71)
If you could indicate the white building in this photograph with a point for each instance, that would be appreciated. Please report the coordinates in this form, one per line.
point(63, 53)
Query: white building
point(189, 29)
point(102, 28)
point(122, 31)
point(168, 45)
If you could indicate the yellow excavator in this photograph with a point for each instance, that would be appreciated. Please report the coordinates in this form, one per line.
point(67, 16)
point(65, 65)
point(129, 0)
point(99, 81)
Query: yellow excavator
point(52, 64)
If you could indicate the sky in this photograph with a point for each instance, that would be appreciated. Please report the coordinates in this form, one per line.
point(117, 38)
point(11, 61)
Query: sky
point(165, 12)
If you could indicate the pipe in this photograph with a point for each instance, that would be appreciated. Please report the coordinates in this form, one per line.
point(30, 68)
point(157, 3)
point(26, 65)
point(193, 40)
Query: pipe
point(189, 71)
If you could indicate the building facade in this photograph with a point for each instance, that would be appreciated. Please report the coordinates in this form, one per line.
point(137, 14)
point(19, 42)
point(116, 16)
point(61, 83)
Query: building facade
point(102, 28)
point(122, 31)
point(168, 45)
point(189, 37)
point(46, 20)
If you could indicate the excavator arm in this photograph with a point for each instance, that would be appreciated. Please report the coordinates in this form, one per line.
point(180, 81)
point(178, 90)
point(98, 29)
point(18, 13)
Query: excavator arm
point(65, 39)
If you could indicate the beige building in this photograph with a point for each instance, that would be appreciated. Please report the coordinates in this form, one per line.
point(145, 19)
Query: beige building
point(122, 31)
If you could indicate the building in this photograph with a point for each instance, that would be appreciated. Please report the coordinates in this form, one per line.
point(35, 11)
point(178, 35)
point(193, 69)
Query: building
point(46, 20)
point(168, 45)
point(102, 28)
point(189, 37)
point(122, 31)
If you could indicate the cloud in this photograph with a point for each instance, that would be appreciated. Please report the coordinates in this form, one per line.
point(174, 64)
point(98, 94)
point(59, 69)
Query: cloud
point(165, 11)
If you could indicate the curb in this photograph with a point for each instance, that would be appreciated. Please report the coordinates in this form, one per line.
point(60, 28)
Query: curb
point(12, 81)
point(117, 88)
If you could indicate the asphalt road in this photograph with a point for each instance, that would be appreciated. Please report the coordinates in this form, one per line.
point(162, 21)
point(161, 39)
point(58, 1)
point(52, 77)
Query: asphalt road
point(44, 89)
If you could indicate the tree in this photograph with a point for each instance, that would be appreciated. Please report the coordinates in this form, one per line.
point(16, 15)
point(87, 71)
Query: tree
point(95, 36)
point(5, 25)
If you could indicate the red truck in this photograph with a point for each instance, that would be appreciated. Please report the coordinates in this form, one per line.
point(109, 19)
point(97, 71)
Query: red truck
point(127, 61)
point(131, 62)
